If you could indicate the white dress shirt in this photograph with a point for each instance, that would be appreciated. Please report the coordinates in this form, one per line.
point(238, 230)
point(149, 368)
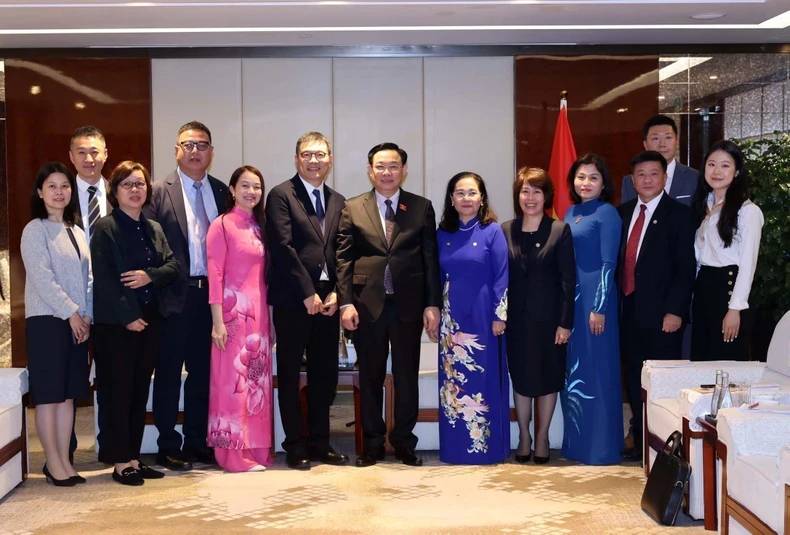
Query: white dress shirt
point(651, 208)
point(671, 166)
point(310, 189)
point(197, 244)
point(742, 251)
point(101, 198)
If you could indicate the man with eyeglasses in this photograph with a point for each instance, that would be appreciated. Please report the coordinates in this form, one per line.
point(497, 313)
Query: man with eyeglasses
point(302, 215)
point(184, 203)
point(389, 290)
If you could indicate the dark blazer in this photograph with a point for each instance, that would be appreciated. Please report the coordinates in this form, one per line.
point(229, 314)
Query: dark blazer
point(113, 302)
point(167, 208)
point(362, 255)
point(542, 288)
point(684, 184)
point(666, 266)
point(298, 249)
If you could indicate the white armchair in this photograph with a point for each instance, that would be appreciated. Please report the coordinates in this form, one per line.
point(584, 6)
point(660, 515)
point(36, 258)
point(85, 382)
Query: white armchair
point(754, 454)
point(13, 428)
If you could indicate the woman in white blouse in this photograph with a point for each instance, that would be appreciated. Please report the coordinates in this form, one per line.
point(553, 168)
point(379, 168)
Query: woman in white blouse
point(727, 244)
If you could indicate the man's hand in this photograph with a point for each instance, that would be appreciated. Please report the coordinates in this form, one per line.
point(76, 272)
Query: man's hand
point(430, 321)
point(671, 323)
point(313, 304)
point(137, 325)
point(135, 279)
point(349, 318)
point(329, 306)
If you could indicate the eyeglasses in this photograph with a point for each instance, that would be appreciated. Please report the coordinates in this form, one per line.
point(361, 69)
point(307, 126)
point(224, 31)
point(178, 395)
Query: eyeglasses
point(391, 168)
point(188, 146)
point(133, 185)
point(460, 194)
point(307, 155)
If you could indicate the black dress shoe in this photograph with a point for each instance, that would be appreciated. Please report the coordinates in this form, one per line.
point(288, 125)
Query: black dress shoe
point(632, 456)
point(203, 455)
point(298, 460)
point(146, 472)
point(523, 459)
point(327, 456)
point(128, 476)
point(369, 457)
point(408, 457)
point(173, 461)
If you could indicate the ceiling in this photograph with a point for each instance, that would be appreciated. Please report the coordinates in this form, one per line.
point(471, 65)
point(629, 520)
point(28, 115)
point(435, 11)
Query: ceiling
point(178, 23)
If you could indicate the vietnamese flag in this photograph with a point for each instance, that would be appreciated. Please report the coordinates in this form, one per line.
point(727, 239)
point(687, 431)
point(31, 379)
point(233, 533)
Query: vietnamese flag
point(563, 154)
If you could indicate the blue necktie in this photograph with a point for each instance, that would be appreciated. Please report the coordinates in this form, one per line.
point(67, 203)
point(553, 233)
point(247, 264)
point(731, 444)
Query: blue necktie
point(319, 207)
point(201, 216)
point(389, 222)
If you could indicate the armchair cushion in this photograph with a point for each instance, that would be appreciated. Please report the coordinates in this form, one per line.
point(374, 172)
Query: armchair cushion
point(754, 483)
point(662, 414)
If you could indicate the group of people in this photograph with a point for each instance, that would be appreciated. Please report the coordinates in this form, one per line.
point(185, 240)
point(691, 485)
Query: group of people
point(180, 274)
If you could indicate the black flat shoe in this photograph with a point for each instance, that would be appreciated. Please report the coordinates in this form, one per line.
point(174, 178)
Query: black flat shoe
point(68, 482)
point(523, 459)
point(370, 457)
point(408, 457)
point(146, 472)
point(203, 455)
point(173, 461)
point(632, 456)
point(328, 456)
point(129, 476)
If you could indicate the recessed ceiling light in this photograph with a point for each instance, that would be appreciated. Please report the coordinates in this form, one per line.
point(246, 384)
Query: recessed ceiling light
point(714, 77)
point(35, 89)
point(79, 105)
point(707, 16)
point(697, 109)
point(622, 110)
point(661, 97)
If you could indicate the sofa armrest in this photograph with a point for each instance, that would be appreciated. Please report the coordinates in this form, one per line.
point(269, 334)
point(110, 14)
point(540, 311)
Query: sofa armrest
point(13, 385)
point(666, 382)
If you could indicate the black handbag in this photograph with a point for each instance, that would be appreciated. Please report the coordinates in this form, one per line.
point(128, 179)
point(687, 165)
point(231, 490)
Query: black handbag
point(667, 483)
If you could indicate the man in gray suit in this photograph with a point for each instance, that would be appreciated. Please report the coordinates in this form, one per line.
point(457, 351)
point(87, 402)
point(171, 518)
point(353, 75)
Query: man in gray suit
point(660, 134)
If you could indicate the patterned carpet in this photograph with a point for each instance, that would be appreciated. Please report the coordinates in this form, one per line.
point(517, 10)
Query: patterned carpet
point(561, 497)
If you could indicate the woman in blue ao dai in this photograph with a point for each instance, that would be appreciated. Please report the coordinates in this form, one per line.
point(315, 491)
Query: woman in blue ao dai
point(474, 413)
point(592, 403)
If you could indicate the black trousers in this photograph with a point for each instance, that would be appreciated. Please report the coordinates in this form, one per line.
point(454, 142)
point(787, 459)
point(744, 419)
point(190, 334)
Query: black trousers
point(298, 331)
point(712, 292)
point(638, 344)
point(185, 339)
point(373, 340)
point(124, 363)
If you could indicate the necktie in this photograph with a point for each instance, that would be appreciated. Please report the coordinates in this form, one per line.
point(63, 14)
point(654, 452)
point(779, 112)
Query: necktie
point(319, 207)
point(93, 209)
point(631, 248)
point(201, 217)
point(389, 222)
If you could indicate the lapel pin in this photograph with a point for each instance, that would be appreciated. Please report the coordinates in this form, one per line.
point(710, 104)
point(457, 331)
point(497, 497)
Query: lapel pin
point(655, 221)
point(578, 219)
point(474, 244)
point(448, 244)
point(402, 207)
point(537, 245)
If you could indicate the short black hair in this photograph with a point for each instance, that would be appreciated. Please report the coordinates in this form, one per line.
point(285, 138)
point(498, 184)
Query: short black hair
point(658, 120)
point(87, 131)
point(38, 210)
point(537, 178)
point(387, 146)
point(600, 164)
point(195, 125)
point(450, 218)
point(649, 156)
point(121, 172)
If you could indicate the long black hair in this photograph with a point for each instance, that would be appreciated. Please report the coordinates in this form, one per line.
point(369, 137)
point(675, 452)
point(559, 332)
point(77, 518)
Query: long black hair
point(38, 209)
point(737, 192)
point(485, 214)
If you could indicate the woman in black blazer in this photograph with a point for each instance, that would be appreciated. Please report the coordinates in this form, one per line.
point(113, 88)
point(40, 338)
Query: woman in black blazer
point(542, 281)
point(132, 262)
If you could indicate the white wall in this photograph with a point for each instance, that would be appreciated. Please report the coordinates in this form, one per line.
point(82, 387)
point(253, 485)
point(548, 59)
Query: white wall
point(449, 114)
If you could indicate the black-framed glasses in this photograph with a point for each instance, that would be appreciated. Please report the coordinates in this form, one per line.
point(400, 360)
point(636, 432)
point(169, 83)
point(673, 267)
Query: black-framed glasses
point(307, 155)
point(188, 146)
point(133, 185)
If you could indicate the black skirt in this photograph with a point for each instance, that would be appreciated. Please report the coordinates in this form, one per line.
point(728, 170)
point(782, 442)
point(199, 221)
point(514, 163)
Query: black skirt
point(712, 293)
point(57, 367)
point(536, 363)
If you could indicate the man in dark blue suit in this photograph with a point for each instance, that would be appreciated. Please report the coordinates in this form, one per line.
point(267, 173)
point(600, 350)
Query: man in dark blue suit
point(184, 203)
point(660, 134)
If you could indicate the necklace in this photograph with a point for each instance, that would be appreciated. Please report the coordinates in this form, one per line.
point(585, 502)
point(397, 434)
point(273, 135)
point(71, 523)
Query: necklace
point(470, 228)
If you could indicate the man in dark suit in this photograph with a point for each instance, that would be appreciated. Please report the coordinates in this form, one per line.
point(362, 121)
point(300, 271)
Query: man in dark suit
point(302, 215)
point(660, 134)
point(184, 203)
point(389, 290)
point(657, 269)
point(88, 152)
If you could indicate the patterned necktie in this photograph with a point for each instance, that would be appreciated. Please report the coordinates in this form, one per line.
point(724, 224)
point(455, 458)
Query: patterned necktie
point(201, 217)
point(319, 207)
point(93, 209)
point(629, 274)
point(389, 222)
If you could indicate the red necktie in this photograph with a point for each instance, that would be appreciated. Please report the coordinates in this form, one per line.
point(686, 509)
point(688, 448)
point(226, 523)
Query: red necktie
point(629, 276)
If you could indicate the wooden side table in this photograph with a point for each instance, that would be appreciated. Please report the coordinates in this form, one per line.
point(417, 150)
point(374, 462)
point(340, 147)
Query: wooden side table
point(710, 437)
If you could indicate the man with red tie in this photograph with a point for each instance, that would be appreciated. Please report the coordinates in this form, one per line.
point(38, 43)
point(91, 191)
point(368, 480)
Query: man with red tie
point(656, 274)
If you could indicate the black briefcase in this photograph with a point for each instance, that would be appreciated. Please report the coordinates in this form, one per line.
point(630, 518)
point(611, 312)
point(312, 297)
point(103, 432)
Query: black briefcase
point(667, 483)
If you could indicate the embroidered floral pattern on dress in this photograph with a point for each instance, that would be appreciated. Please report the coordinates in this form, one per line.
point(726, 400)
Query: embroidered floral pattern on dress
point(457, 347)
point(226, 434)
point(252, 366)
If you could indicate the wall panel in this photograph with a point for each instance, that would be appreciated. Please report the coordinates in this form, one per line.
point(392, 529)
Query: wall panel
point(206, 90)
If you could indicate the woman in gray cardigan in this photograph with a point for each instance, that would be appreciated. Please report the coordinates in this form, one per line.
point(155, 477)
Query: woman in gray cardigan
point(58, 311)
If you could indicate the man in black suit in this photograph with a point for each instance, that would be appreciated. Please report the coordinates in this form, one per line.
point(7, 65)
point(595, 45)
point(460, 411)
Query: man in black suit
point(302, 215)
point(657, 269)
point(184, 203)
point(389, 290)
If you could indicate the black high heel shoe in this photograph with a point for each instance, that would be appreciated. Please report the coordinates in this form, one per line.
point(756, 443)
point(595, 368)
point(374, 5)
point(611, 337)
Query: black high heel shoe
point(523, 459)
point(68, 482)
point(78, 479)
point(543, 460)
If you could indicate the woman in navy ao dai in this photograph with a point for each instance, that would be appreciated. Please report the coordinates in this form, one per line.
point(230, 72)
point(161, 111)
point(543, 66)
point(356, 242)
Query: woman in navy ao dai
point(474, 413)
